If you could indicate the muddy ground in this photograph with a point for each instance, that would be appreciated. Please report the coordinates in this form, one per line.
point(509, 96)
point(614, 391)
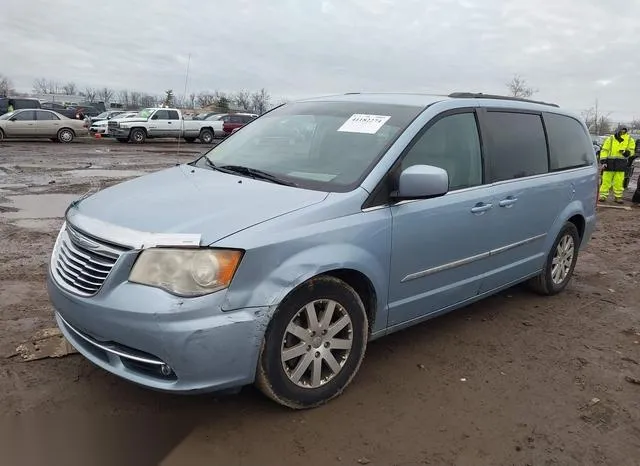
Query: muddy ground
point(515, 380)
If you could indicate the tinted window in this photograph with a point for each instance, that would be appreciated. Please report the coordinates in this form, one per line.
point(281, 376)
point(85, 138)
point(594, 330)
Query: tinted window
point(451, 143)
point(235, 119)
point(161, 115)
point(26, 115)
point(26, 103)
point(569, 144)
point(46, 115)
point(247, 118)
point(173, 115)
point(516, 145)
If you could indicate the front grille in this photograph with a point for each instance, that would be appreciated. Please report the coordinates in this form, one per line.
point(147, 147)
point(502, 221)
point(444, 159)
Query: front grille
point(81, 264)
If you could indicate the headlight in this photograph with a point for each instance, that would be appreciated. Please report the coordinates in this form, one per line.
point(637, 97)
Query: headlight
point(186, 272)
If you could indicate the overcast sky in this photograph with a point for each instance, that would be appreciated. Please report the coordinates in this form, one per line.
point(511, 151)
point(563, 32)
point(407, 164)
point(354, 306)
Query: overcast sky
point(573, 51)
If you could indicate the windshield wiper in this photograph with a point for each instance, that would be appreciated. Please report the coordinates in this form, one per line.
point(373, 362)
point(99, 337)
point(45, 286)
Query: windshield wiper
point(252, 173)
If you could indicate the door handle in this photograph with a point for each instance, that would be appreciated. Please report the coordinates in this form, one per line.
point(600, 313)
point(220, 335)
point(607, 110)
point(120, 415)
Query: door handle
point(169, 122)
point(481, 208)
point(508, 202)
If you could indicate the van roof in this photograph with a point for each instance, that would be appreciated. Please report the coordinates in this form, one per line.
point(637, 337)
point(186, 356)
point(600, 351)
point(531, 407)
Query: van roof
point(424, 100)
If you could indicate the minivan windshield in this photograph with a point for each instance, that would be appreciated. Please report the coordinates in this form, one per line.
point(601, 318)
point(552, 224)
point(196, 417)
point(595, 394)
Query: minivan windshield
point(328, 146)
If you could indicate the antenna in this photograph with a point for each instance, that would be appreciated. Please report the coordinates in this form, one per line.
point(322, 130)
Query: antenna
point(184, 98)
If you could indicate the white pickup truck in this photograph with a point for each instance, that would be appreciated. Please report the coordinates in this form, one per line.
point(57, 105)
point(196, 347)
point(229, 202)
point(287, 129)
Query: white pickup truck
point(160, 123)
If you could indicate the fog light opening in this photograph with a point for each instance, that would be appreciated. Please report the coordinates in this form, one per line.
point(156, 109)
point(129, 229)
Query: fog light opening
point(166, 370)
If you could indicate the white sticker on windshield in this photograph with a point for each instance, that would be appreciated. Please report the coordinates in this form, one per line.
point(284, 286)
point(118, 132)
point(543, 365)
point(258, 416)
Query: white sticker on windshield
point(367, 124)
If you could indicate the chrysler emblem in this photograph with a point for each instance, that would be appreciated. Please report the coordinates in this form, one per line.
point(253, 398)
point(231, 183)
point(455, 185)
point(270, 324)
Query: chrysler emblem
point(82, 241)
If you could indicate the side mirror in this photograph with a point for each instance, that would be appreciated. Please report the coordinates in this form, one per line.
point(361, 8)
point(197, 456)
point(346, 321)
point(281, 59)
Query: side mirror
point(154, 117)
point(421, 182)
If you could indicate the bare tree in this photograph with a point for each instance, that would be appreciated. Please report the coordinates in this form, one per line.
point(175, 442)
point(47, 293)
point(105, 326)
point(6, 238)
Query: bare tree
point(40, 86)
point(635, 124)
point(6, 87)
point(242, 100)
point(147, 100)
point(105, 94)
point(206, 99)
point(134, 99)
point(123, 97)
point(518, 87)
point(192, 100)
point(90, 94)
point(221, 100)
point(70, 88)
point(260, 101)
point(597, 122)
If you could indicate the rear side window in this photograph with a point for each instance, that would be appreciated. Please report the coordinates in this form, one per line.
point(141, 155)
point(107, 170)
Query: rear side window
point(42, 115)
point(569, 144)
point(173, 115)
point(235, 119)
point(516, 145)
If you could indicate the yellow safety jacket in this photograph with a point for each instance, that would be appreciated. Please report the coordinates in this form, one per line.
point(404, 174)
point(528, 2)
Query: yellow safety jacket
point(615, 153)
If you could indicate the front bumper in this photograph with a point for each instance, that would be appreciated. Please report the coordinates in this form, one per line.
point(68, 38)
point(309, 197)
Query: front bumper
point(119, 132)
point(139, 333)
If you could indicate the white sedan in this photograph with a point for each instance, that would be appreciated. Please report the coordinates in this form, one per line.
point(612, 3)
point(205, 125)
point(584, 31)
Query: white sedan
point(102, 127)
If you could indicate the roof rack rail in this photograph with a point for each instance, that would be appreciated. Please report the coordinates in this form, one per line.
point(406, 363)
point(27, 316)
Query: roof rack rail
point(480, 95)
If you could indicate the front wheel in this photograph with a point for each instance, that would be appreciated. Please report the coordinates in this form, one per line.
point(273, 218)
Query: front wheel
point(206, 136)
point(65, 135)
point(314, 344)
point(560, 262)
point(138, 136)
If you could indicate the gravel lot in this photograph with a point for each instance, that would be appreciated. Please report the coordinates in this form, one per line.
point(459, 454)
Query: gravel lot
point(514, 380)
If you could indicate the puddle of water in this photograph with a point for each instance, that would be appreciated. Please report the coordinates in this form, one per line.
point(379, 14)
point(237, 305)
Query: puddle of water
point(36, 206)
point(44, 225)
point(103, 173)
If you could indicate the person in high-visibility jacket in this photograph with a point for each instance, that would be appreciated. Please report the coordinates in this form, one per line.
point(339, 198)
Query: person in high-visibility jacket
point(615, 151)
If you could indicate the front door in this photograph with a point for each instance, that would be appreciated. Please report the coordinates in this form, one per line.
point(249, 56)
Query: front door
point(440, 246)
point(159, 126)
point(22, 125)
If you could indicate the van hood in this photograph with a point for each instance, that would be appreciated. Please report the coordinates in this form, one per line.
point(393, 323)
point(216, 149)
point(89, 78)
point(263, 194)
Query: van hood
point(191, 200)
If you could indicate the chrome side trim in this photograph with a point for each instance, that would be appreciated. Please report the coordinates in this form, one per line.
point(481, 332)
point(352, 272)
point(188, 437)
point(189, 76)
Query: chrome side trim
point(128, 237)
point(107, 348)
point(470, 259)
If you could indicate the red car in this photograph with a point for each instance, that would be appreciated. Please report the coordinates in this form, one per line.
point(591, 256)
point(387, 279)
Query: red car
point(236, 121)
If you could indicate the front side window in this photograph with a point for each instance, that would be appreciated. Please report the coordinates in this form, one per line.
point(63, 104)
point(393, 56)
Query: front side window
point(26, 115)
point(451, 143)
point(516, 145)
point(161, 115)
point(329, 146)
point(569, 145)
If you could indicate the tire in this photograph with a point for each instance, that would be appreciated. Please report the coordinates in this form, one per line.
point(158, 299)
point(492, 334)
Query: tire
point(1, 135)
point(65, 135)
point(282, 379)
point(138, 136)
point(555, 277)
point(122, 140)
point(206, 136)
point(190, 140)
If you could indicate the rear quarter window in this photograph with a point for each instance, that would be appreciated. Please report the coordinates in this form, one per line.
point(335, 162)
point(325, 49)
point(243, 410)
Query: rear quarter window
point(569, 144)
point(515, 144)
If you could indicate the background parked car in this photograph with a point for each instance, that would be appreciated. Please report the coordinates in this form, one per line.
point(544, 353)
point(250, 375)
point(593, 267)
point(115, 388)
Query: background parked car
point(108, 115)
point(18, 103)
point(102, 126)
point(236, 121)
point(40, 123)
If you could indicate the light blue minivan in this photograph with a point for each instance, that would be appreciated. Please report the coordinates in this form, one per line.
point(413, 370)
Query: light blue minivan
point(276, 256)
